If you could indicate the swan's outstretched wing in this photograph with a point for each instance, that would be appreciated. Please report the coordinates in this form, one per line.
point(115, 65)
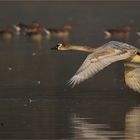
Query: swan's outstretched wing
point(98, 60)
point(132, 76)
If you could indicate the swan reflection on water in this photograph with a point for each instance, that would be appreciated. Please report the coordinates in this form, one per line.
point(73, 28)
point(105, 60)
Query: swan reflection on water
point(83, 129)
point(124, 124)
point(95, 131)
point(132, 124)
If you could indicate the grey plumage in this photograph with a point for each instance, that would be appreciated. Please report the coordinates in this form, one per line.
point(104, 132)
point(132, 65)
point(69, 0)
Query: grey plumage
point(132, 76)
point(101, 58)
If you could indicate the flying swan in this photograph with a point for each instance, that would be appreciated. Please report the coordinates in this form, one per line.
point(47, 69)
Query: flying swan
point(107, 54)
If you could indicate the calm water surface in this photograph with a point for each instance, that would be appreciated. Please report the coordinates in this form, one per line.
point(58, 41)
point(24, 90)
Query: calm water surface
point(35, 101)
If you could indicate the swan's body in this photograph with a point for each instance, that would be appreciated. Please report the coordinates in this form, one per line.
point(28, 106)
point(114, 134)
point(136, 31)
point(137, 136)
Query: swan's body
point(68, 47)
point(107, 54)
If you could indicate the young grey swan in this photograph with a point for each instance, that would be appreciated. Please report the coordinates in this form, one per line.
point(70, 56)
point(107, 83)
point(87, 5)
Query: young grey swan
point(64, 47)
point(107, 54)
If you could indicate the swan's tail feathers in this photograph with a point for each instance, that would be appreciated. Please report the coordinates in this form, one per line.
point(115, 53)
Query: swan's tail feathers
point(107, 34)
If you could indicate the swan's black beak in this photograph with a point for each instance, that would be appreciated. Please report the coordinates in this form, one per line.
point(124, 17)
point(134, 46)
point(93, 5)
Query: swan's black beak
point(54, 48)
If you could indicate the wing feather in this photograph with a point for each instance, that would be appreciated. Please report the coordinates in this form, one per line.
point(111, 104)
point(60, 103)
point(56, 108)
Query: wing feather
point(97, 61)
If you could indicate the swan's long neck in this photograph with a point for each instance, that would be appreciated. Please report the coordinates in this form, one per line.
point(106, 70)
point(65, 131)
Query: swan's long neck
point(80, 48)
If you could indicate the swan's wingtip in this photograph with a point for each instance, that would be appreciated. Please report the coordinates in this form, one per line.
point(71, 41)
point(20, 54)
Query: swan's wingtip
point(72, 82)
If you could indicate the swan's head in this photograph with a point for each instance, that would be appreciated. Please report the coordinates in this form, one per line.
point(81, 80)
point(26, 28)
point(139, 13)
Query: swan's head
point(60, 47)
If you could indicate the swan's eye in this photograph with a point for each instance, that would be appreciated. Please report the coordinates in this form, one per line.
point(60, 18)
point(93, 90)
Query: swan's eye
point(57, 45)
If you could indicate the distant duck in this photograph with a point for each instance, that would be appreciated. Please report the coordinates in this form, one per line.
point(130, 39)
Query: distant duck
point(59, 33)
point(68, 47)
point(35, 35)
point(107, 54)
point(32, 29)
point(123, 32)
point(20, 28)
point(7, 33)
point(35, 26)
